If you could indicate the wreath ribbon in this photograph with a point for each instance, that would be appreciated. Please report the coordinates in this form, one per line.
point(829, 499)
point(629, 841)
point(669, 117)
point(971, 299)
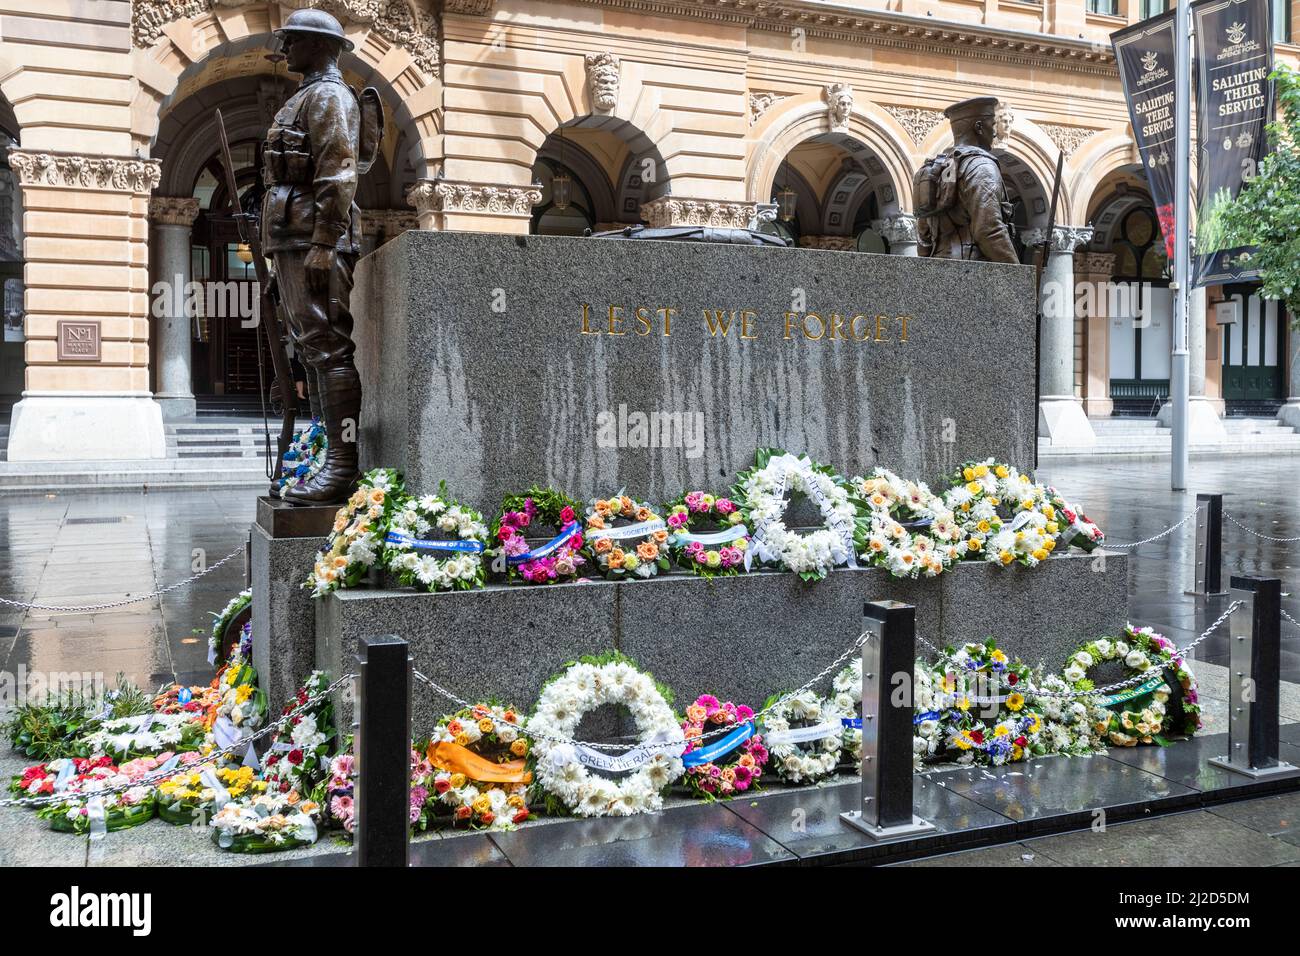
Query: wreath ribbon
point(800, 735)
point(853, 723)
point(566, 534)
point(564, 754)
point(720, 749)
point(639, 530)
point(420, 544)
point(454, 758)
point(735, 532)
point(1133, 692)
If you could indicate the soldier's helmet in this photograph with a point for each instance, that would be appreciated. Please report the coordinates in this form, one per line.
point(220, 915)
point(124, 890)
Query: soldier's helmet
point(316, 22)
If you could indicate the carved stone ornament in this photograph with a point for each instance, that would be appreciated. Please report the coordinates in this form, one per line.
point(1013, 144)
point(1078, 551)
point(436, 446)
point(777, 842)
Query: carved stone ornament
point(443, 196)
point(85, 172)
point(1065, 239)
point(602, 80)
point(671, 211)
point(1003, 120)
point(917, 122)
point(760, 103)
point(1067, 138)
point(173, 210)
point(400, 22)
point(839, 105)
point(831, 243)
point(898, 228)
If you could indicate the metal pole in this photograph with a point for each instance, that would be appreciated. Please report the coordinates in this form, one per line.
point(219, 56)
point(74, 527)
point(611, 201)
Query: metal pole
point(888, 659)
point(1207, 576)
point(1179, 382)
point(383, 740)
point(1254, 675)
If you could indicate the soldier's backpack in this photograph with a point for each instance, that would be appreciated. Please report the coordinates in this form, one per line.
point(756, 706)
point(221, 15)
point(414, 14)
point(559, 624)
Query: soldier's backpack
point(372, 129)
point(934, 187)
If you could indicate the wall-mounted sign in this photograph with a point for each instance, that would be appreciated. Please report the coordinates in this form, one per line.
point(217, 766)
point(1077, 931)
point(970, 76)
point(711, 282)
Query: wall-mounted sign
point(79, 340)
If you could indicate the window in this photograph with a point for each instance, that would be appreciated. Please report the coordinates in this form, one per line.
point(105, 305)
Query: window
point(1152, 8)
point(1281, 21)
point(1109, 7)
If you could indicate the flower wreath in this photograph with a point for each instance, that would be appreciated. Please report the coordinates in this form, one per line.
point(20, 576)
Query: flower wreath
point(1140, 713)
point(805, 736)
point(1076, 530)
point(304, 457)
point(931, 700)
point(564, 766)
point(762, 493)
point(411, 553)
point(479, 780)
point(911, 532)
point(727, 765)
point(1075, 726)
point(124, 738)
point(560, 558)
point(198, 793)
point(299, 756)
point(718, 552)
point(266, 823)
point(223, 618)
point(80, 779)
point(1007, 517)
point(647, 537)
point(847, 698)
point(989, 721)
point(336, 797)
point(243, 704)
point(354, 544)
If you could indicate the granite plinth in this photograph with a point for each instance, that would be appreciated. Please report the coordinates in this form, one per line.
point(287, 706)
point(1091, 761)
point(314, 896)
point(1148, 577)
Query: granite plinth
point(494, 362)
point(285, 540)
point(741, 638)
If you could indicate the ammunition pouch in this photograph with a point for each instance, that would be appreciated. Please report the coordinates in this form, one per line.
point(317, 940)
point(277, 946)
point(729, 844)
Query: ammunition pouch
point(286, 158)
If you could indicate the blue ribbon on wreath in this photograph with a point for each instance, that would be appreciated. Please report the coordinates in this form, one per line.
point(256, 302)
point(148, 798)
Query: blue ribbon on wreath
point(928, 715)
point(420, 544)
point(854, 723)
point(569, 530)
point(723, 747)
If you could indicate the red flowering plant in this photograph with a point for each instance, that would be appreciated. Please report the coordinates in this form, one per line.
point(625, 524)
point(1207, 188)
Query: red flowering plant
point(550, 517)
point(300, 748)
point(726, 764)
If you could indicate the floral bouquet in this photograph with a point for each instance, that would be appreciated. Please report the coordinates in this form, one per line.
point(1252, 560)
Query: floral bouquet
point(847, 698)
point(911, 532)
point(196, 793)
point(83, 782)
point(1076, 726)
point(354, 545)
point(266, 823)
point(145, 734)
point(1006, 517)
point(560, 558)
point(727, 765)
point(479, 779)
point(243, 704)
point(626, 537)
point(1076, 530)
point(304, 457)
point(805, 736)
point(762, 494)
point(222, 619)
point(418, 561)
point(201, 703)
point(299, 756)
point(988, 721)
point(721, 551)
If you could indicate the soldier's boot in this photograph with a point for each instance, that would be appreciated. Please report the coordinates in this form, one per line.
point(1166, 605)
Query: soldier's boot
point(341, 406)
point(313, 395)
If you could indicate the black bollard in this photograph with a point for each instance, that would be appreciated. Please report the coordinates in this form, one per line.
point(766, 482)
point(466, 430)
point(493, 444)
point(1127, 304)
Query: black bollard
point(1254, 676)
point(1207, 576)
point(383, 750)
point(888, 659)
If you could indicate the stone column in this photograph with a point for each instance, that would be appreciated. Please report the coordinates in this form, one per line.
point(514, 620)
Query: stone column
point(1093, 270)
point(1203, 422)
point(1060, 411)
point(1289, 414)
point(900, 232)
point(677, 211)
point(444, 204)
point(87, 393)
point(173, 218)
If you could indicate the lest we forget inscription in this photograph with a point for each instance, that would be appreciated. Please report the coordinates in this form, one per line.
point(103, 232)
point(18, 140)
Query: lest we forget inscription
point(594, 365)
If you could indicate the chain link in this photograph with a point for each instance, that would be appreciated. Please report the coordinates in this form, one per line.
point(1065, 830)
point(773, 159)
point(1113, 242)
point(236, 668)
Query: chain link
point(1259, 534)
point(123, 603)
point(1290, 618)
point(1156, 537)
point(241, 745)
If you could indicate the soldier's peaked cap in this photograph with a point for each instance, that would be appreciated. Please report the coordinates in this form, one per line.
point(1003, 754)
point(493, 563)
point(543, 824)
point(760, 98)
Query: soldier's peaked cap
point(314, 22)
point(972, 109)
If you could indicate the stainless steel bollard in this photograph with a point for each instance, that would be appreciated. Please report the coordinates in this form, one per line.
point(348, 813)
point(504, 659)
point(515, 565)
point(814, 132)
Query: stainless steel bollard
point(382, 727)
point(1207, 574)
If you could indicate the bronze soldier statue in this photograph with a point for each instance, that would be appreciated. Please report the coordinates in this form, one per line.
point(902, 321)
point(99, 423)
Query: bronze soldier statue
point(961, 204)
point(311, 229)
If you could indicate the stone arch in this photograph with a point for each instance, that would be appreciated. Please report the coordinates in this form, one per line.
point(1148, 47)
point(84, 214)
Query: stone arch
point(872, 135)
point(1098, 160)
point(177, 51)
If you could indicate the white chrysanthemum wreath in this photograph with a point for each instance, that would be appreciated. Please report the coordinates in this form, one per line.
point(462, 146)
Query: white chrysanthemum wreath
point(564, 770)
point(847, 685)
point(804, 736)
point(762, 493)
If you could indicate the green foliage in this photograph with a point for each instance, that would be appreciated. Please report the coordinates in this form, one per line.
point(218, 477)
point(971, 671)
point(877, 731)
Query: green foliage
point(53, 727)
point(1266, 212)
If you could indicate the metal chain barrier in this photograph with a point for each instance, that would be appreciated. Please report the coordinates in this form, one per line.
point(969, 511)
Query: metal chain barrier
point(123, 603)
point(1293, 621)
point(159, 775)
point(1260, 534)
point(1156, 537)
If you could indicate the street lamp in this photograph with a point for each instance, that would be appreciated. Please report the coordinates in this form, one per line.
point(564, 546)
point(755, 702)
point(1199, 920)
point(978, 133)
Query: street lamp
point(561, 183)
point(786, 198)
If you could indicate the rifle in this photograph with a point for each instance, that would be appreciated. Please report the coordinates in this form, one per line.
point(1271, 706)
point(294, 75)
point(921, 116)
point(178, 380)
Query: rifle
point(249, 234)
point(1044, 250)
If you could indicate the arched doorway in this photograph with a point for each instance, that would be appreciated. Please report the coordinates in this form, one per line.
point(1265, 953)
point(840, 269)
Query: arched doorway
point(11, 266)
point(595, 172)
point(831, 192)
point(1030, 202)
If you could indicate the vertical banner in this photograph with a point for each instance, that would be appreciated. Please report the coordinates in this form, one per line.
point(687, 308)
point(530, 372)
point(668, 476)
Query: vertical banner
point(1234, 52)
point(1144, 53)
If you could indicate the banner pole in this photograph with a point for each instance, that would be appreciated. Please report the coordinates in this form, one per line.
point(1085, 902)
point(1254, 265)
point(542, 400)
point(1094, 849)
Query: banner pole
point(1179, 380)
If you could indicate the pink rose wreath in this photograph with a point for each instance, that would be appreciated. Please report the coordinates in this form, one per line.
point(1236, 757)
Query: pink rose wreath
point(720, 551)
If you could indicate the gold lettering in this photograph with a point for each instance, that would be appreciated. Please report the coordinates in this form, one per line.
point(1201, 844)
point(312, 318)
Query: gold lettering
point(880, 332)
point(586, 321)
point(614, 319)
point(904, 319)
point(853, 327)
point(642, 316)
point(668, 314)
point(837, 324)
point(719, 320)
point(745, 328)
point(820, 322)
point(789, 323)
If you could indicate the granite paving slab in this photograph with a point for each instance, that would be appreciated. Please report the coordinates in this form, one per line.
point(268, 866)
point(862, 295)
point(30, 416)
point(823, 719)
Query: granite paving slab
point(1277, 816)
point(1186, 762)
point(1019, 855)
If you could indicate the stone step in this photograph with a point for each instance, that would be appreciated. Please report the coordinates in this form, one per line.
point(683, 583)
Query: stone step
point(23, 478)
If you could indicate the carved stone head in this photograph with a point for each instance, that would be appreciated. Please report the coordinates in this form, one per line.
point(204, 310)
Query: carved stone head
point(1003, 120)
point(839, 105)
point(602, 80)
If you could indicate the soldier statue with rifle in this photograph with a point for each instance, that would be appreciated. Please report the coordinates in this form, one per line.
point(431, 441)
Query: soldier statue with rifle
point(322, 139)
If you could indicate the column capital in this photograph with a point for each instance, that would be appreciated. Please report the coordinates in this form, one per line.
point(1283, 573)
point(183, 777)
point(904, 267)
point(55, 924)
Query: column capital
point(388, 222)
point(173, 210)
point(835, 243)
point(85, 172)
point(676, 211)
point(1065, 239)
point(1095, 264)
point(900, 227)
point(437, 199)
